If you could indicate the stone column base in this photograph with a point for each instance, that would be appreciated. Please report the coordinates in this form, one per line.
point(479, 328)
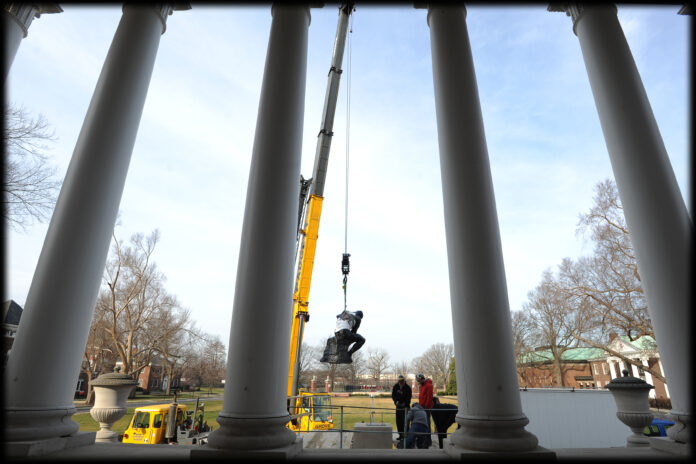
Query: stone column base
point(494, 435)
point(22, 449)
point(251, 434)
point(670, 446)
point(39, 424)
point(461, 454)
point(681, 430)
point(282, 453)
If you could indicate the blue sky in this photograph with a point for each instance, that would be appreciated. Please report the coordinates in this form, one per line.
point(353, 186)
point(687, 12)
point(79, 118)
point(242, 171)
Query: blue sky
point(189, 169)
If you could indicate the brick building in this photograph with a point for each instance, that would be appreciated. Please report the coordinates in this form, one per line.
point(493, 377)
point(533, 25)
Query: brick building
point(536, 369)
point(594, 367)
point(153, 377)
point(644, 350)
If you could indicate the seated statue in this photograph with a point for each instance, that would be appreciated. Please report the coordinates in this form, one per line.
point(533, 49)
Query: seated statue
point(337, 347)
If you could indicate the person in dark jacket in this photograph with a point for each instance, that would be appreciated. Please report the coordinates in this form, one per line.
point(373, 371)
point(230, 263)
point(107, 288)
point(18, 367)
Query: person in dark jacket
point(401, 396)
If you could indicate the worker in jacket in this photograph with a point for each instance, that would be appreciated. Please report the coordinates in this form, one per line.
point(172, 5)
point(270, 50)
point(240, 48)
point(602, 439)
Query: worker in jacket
point(418, 428)
point(425, 399)
point(401, 396)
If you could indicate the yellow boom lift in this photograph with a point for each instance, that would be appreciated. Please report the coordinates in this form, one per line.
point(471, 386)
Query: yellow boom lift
point(314, 408)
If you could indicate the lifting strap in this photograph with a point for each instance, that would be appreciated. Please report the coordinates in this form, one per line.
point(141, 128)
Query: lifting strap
point(345, 262)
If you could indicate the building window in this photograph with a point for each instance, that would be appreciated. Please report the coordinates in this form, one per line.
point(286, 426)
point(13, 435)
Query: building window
point(604, 369)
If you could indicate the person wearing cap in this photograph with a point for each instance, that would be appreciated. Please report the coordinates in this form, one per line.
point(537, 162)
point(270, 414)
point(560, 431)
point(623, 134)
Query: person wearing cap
point(347, 324)
point(425, 398)
point(401, 395)
point(418, 430)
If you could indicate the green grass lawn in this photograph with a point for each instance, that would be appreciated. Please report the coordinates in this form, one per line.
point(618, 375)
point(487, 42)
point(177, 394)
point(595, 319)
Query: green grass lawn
point(355, 409)
point(159, 396)
point(87, 424)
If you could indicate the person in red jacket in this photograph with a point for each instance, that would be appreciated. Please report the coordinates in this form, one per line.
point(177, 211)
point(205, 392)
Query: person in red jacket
point(425, 399)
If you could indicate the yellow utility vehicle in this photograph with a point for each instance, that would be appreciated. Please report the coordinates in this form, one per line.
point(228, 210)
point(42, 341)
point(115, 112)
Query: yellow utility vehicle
point(149, 424)
point(313, 412)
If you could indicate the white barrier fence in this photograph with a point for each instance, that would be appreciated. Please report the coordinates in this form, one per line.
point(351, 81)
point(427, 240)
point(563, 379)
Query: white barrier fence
point(563, 418)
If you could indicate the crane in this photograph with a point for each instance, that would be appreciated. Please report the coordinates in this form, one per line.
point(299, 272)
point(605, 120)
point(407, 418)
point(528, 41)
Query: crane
point(311, 199)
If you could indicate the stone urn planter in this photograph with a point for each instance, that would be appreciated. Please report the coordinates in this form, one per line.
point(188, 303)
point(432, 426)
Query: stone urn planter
point(110, 394)
point(633, 407)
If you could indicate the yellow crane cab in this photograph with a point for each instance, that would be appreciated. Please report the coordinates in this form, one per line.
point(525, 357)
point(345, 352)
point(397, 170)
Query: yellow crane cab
point(312, 412)
point(149, 424)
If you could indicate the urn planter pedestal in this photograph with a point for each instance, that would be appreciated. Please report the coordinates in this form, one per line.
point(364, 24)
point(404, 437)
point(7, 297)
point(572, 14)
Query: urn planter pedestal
point(110, 394)
point(633, 407)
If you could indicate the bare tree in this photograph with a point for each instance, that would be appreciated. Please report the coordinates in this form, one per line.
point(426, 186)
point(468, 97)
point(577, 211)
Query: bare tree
point(377, 362)
point(308, 362)
point(400, 368)
point(523, 338)
point(418, 366)
point(169, 329)
point(554, 321)
point(134, 304)
point(99, 356)
point(351, 372)
point(191, 366)
point(213, 362)
point(435, 361)
point(607, 284)
point(29, 185)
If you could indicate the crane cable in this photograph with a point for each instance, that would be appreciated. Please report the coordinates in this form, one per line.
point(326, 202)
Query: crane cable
point(345, 262)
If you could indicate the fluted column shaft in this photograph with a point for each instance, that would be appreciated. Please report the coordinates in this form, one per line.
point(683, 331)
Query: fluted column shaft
point(254, 409)
point(49, 345)
point(490, 410)
point(656, 216)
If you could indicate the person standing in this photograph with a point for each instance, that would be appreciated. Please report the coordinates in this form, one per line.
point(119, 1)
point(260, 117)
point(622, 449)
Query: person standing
point(401, 395)
point(425, 399)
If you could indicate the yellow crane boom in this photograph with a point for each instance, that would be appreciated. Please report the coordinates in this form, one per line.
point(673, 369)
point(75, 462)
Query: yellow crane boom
point(308, 234)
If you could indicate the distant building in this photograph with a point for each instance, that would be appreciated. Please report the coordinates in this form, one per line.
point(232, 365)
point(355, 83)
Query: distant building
point(536, 368)
point(11, 314)
point(594, 367)
point(643, 350)
point(153, 377)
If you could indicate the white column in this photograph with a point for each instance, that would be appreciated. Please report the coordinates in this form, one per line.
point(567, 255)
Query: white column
point(660, 226)
point(662, 371)
point(49, 346)
point(490, 410)
point(648, 376)
point(610, 361)
point(634, 370)
point(254, 411)
point(16, 19)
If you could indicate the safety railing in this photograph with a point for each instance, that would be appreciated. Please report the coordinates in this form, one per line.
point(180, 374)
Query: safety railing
point(347, 410)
